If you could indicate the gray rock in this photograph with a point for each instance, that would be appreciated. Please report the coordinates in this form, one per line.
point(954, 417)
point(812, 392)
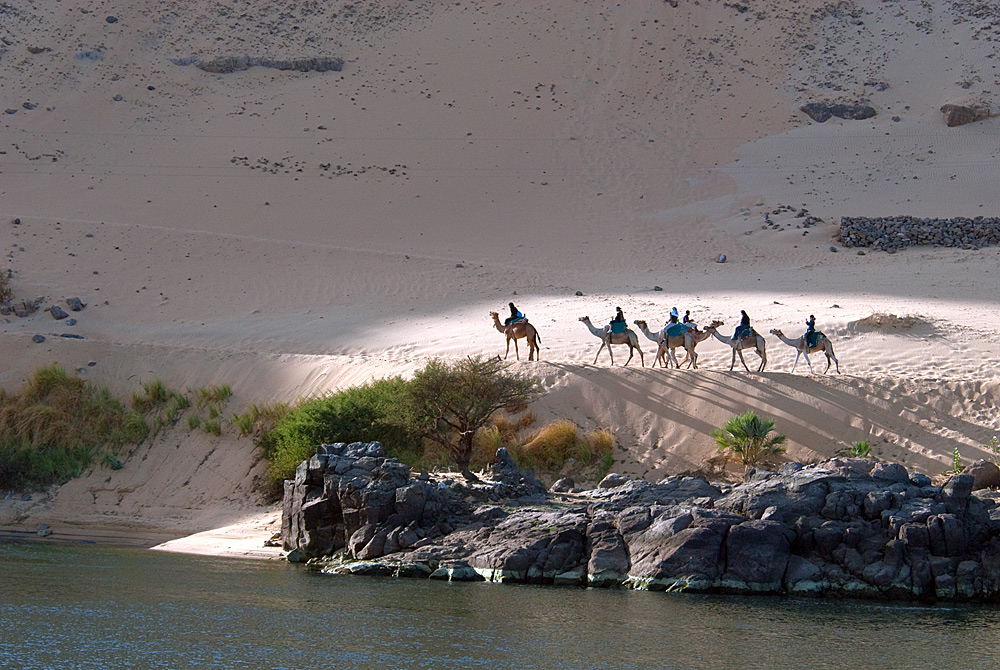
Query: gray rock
point(75, 304)
point(37, 338)
point(612, 480)
point(985, 474)
point(57, 312)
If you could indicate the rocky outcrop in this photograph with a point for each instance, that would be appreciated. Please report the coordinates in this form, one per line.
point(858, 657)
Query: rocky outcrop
point(846, 527)
point(238, 63)
point(891, 233)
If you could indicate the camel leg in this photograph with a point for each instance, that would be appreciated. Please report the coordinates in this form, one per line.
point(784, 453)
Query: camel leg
point(516, 352)
point(763, 360)
point(599, 354)
point(673, 358)
point(642, 360)
point(630, 354)
point(806, 354)
point(796, 362)
point(732, 363)
point(743, 360)
point(508, 349)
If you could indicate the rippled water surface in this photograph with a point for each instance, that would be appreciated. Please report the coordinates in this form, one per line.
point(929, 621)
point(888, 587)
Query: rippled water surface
point(97, 607)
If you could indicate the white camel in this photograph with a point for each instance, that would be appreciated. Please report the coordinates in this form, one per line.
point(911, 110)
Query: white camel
point(666, 345)
point(608, 338)
point(752, 340)
point(516, 331)
point(823, 344)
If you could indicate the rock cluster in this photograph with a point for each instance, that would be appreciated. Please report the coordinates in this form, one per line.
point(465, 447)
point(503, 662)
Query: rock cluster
point(891, 233)
point(821, 112)
point(846, 527)
point(237, 63)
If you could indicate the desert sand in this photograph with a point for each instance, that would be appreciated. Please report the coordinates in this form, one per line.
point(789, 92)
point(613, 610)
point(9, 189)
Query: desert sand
point(292, 233)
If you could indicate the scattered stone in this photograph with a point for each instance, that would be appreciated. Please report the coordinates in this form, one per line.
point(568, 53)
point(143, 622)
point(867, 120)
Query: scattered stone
point(721, 258)
point(38, 50)
point(57, 312)
point(833, 249)
point(579, 293)
point(112, 19)
point(29, 105)
point(75, 304)
point(118, 97)
point(657, 288)
point(71, 336)
point(71, 322)
point(43, 530)
point(90, 55)
point(38, 338)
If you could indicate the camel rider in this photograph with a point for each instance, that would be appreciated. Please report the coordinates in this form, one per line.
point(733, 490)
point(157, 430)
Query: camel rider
point(744, 328)
point(673, 326)
point(515, 315)
point(811, 331)
point(687, 317)
point(618, 323)
point(673, 320)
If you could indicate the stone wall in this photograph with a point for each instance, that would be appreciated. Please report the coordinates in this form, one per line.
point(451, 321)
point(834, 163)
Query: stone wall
point(891, 233)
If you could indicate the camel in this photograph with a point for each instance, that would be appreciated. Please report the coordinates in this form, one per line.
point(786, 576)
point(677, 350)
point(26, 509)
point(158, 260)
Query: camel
point(608, 338)
point(822, 344)
point(516, 331)
point(751, 341)
point(665, 354)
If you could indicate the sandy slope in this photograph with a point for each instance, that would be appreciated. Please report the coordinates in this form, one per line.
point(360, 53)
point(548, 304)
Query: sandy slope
point(289, 233)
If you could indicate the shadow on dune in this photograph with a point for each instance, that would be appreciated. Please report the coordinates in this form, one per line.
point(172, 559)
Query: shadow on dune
point(663, 419)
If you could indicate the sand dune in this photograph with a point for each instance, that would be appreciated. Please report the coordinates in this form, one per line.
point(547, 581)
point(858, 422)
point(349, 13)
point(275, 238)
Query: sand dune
point(289, 233)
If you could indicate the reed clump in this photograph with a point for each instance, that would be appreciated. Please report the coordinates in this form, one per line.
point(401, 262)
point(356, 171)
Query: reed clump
point(57, 425)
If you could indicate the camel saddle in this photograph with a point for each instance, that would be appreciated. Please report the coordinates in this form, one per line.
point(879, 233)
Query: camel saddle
point(677, 329)
point(812, 339)
point(618, 326)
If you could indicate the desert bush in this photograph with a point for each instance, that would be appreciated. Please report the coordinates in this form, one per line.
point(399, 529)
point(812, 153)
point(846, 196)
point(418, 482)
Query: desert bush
point(747, 438)
point(550, 447)
point(55, 426)
point(359, 414)
point(447, 403)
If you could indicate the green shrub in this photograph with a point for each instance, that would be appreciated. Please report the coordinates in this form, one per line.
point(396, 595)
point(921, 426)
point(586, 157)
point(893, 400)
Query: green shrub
point(212, 427)
point(359, 414)
point(860, 449)
point(56, 425)
point(747, 438)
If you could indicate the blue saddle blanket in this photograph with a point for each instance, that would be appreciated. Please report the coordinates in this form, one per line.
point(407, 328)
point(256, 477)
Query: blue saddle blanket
point(813, 338)
point(677, 329)
point(618, 326)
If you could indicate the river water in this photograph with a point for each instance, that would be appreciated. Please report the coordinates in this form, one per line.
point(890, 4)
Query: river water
point(108, 608)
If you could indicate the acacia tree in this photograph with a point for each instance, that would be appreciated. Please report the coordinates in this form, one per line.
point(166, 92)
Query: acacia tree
point(448, 402)
point(746, 438)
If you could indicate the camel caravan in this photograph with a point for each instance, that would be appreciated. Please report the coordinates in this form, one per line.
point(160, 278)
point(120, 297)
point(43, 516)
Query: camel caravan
point(675, 334)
